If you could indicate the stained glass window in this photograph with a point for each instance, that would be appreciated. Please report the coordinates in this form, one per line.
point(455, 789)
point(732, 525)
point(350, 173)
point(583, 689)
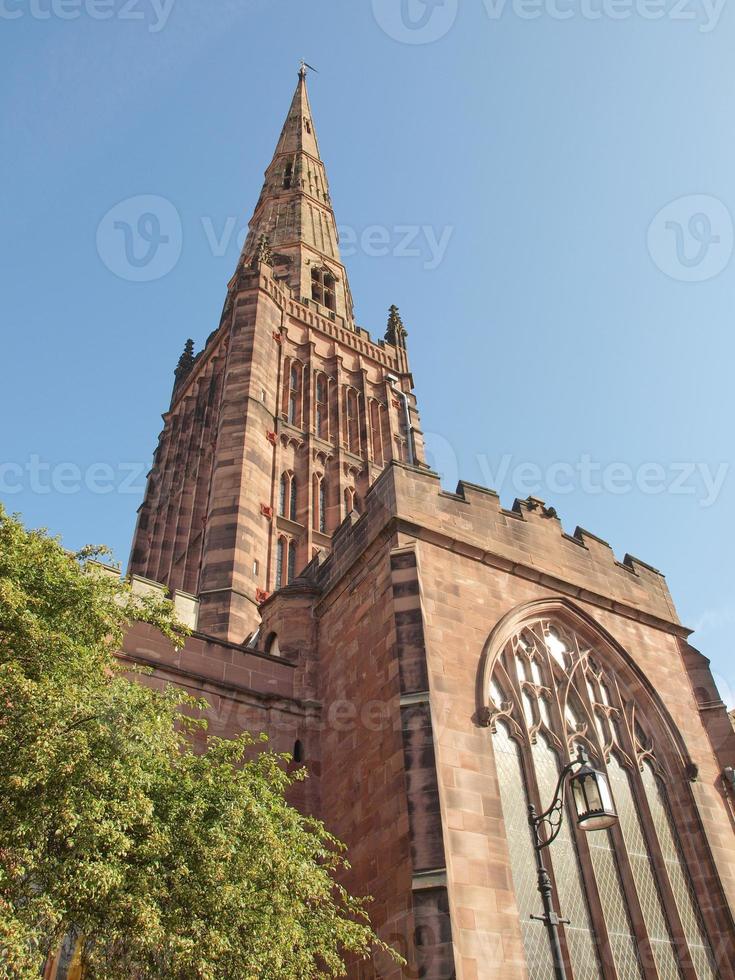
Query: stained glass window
point(681, 883)
point(520, 845)
point(565, 861)
point(659, 934)
point(550, 691)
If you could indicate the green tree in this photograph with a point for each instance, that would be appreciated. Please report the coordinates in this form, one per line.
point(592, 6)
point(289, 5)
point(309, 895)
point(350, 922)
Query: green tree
point(167, 863)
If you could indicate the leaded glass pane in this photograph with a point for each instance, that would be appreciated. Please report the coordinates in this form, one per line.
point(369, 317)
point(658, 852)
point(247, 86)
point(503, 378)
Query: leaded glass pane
point(557, 649)
point(612, 898)
point(522, 858)
point(528, 709)
point(681, 884)
point(600, 728)
point(496, 694)
point(545, 712)
point(643, 874)
point(546, 654)
point(565, 861)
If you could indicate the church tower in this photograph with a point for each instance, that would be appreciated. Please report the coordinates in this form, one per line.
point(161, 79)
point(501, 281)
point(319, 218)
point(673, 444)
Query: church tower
point(435, 660)
point(279, 426)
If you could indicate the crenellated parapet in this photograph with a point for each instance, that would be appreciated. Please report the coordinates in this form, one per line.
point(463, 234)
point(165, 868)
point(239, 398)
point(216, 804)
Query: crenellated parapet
point(527, 540)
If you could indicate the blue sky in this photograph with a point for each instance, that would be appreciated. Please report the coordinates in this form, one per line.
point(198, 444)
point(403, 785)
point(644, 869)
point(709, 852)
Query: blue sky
point(544, 187)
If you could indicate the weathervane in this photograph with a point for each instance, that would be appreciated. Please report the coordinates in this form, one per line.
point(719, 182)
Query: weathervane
point(303, 66)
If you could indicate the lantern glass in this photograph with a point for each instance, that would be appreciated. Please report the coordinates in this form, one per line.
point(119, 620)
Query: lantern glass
point(592, 799)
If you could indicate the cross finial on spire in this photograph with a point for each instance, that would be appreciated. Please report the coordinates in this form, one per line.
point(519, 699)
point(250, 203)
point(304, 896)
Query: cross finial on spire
point(303, 68)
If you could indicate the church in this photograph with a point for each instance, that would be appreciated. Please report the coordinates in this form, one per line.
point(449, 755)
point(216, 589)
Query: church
point(433, 659)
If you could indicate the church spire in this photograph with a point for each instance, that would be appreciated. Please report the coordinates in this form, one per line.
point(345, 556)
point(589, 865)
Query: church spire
point(298, 132)
point(294, 213)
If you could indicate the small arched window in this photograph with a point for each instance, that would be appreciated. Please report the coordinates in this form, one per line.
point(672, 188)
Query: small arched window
point(293, 411)
point(291, 561)
point(271, 645)
point(298, 751)
point(323, 506)
point(376, 433)
point(283, 494)
point(551, 692)
point(292, 500)
point(288, 175)
point(352, 424)
point(322, 408)
point(320, 504)
point(281, 546)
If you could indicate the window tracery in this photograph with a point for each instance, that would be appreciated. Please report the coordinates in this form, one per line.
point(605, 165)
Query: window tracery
point(626, 890)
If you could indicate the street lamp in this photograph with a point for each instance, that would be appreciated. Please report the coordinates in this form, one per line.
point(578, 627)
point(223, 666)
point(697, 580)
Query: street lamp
point(595, 811)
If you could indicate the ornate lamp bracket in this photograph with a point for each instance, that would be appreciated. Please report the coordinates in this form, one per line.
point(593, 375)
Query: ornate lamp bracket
point(551, 819)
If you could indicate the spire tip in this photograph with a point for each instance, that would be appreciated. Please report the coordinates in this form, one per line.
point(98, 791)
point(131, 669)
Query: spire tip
point(303, 67)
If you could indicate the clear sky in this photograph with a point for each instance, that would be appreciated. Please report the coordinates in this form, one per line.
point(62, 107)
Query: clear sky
point(544, 187)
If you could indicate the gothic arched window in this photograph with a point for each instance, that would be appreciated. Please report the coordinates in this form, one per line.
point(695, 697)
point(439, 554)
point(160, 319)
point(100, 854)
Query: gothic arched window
point(283, 494)
point(352, 425)
point(291, 570)
point(293, 412)
point(377, 436)
point(323, 288)
point(627, 891)
point(322, 408)
point(292, 500)
point(319, 504)
point(281, 546)
point(322, 506)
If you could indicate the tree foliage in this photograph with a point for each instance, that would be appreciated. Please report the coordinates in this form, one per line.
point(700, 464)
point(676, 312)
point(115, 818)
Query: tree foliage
point(167, 863)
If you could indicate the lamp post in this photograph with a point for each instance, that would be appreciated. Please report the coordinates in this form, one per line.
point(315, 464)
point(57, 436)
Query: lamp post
point(595, 811)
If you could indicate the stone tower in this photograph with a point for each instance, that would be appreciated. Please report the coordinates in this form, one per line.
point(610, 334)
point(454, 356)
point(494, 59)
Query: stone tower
point(277, 428)
point(433, 658)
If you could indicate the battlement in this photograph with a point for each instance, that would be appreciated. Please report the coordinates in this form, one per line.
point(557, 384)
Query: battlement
point(528, 540)
point(185, 606)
